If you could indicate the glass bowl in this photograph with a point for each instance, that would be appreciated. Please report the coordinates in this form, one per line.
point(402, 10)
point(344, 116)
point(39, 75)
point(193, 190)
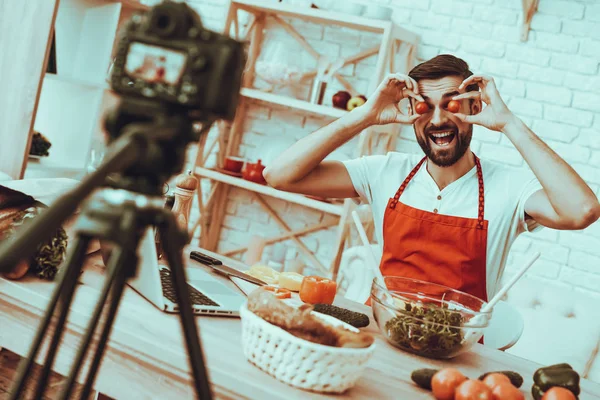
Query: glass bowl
point(427, 319)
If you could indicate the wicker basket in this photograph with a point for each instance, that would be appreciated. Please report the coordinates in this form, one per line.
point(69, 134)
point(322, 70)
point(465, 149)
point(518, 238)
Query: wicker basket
point(298, 362)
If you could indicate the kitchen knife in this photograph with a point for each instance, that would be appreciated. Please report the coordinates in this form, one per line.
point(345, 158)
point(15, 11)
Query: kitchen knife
point(218, 266)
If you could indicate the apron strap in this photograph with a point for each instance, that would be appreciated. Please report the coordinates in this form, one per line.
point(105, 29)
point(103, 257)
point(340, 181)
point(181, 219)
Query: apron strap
point(480, 211)
point(481, 194)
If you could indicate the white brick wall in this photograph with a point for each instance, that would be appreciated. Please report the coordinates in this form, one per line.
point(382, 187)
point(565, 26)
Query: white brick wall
point(552, 82)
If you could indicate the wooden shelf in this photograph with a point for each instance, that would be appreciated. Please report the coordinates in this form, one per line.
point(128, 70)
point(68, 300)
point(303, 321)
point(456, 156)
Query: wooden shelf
point(293, 103)
point(269, 191)
point(315, 15)
point(44, 168)
point(78, 82)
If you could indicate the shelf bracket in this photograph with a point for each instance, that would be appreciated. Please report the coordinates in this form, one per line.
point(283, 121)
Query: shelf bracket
point(294, 33)
point(279, 221)
point(285, 236)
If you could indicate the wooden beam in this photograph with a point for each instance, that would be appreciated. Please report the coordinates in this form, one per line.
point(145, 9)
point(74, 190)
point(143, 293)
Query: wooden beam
point(309, 255)
point(210, 241)
point(25, 37)
point(231, 16)
point(342, 230)
point(381, 59)
point(285, 236)
point(256, 39)
point(529, 9)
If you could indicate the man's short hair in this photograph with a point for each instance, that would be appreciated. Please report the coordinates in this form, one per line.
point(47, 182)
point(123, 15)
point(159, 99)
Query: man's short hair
point(442, 66)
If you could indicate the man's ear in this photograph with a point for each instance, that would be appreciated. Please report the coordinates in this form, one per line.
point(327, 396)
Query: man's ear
point(476, 106)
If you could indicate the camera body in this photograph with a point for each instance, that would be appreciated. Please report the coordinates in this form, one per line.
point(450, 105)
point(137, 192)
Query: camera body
point(166, 55)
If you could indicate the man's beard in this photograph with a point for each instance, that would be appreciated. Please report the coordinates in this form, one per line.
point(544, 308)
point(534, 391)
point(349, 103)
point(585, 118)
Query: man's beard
point(443, 157)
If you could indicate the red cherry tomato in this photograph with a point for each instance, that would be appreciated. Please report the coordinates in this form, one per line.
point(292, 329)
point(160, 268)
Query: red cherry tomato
point(317, 290)
point(421, 107)
point(473, 389)
point(453, 106)
point(445, 382)
point(278, 292)
point(558, 393)
point(495, 379)
point(506, 391)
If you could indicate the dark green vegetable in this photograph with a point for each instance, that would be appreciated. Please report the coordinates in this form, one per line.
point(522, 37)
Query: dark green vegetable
point(433, 331)
point(422, 377)
point(561, 375)
point(515, 378)
point(356, 319)
point(49, 255)
point(39, 145)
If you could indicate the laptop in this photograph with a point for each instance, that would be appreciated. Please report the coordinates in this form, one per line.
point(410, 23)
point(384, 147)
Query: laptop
point(208, 295)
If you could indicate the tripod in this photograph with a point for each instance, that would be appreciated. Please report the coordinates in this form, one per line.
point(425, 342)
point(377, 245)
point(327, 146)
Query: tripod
point(120, 213)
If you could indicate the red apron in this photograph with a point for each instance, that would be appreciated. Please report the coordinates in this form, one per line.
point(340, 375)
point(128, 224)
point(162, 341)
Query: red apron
point(436, 248)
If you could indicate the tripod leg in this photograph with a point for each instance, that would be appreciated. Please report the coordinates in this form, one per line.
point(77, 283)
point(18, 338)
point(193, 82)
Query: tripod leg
point(169, 233)
point(64, 292)
point(119, 260)
point(113, 271)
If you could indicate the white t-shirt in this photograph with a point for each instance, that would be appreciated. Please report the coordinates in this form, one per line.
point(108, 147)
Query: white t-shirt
point(376, 179)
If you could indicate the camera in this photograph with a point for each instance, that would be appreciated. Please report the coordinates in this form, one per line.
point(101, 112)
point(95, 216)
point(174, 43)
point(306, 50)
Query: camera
point(166, 55)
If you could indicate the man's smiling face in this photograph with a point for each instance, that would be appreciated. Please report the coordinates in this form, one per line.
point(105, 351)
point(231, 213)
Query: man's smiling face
point(442, 136)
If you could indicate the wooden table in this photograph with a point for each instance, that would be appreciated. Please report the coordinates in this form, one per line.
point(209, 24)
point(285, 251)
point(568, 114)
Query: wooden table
point(146, 358)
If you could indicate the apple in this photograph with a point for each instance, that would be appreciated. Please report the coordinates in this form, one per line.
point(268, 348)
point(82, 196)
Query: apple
point(340, 99)
point(363, 97)
point(355, 102)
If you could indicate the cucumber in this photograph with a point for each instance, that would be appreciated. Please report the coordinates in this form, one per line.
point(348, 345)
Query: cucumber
point(422, 377)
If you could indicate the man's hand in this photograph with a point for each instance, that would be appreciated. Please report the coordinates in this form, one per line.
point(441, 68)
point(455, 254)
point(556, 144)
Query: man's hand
point(496, 115)
point(382, 107)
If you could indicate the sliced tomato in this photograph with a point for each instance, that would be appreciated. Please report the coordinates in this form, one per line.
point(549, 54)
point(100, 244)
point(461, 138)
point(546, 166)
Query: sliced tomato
point(317, 290)
point(278, 292)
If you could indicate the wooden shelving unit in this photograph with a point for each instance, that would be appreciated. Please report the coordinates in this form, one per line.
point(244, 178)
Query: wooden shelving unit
point(279, 100)
point(73, 101)
point(211, 209)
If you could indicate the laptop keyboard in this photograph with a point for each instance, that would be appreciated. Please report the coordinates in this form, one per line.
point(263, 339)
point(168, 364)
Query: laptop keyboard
point(196, 297)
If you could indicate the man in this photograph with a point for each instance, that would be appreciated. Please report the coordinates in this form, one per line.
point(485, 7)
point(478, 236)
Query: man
point(449, 217)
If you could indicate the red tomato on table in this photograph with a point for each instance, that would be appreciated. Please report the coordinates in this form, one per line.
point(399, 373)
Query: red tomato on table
point(495, 379)
point(445, 382)
point(506, 391)
point(473, 389)
point(317, 290)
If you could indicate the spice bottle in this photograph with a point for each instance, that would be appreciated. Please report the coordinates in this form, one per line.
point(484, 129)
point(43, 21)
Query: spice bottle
point(185, 187)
